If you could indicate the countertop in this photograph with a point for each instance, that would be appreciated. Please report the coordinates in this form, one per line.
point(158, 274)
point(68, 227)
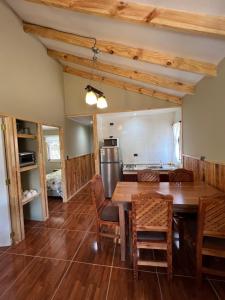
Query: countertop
point(134, 168)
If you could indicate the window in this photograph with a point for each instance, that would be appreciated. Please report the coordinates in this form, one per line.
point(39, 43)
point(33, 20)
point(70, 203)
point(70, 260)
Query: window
point(177, 142)
point(53, 147)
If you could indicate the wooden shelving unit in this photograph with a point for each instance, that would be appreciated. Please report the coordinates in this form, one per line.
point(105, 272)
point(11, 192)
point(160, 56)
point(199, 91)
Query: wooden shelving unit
point(27, 200)
point(30, 177)
point(26, 136)
point(28, 168)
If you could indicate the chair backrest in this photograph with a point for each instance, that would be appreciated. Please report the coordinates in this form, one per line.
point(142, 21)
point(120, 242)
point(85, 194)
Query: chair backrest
point(148, 175)
point(97, 193)
point(211, 216)
point(181, 175)
point(152, 212)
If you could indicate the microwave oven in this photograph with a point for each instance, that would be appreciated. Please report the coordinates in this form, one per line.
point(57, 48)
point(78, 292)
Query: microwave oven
point(27, 158)
point(111, 142)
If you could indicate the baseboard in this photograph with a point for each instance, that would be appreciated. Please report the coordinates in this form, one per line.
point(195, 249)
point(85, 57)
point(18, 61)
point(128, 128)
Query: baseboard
point(83, 186)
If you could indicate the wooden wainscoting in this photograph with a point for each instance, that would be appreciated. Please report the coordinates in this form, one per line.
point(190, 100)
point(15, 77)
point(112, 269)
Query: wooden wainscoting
point(79, 170)
point(211, 172)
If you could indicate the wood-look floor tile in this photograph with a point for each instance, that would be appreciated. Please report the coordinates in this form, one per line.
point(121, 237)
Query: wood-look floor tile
point(54, 204)
point(4, 248)
point(64, 245)
point(185, 288)
point(11, 266)
point(38, 281)
point(55, 220)
point(69, 207)
point(35, 240)
point(79, 222)
point(87, 209)
point(90, 252)
point(84, 282)
point(124, 287)
point(219, 286)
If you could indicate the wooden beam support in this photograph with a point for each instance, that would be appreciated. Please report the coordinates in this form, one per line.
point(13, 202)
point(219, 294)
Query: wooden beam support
point(124, 85)
point(145, 14)
point(154, 79)
point(150, 56)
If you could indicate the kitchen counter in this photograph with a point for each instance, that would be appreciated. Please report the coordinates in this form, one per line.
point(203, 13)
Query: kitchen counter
point(130, 170)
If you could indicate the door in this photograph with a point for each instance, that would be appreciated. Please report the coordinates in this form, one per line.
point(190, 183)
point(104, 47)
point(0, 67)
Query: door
point(5, 221)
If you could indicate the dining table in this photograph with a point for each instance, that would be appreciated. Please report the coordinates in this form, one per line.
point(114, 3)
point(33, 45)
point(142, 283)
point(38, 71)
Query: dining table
point(185, 198)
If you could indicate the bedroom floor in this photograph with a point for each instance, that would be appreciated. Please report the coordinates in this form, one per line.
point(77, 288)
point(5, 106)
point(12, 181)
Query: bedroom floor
point(59, 259)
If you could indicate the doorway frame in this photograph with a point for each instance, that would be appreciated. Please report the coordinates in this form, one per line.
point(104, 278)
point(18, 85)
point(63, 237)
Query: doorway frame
point(62, 160)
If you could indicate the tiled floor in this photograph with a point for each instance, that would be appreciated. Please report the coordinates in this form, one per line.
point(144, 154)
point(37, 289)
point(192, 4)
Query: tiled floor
point(60, 259)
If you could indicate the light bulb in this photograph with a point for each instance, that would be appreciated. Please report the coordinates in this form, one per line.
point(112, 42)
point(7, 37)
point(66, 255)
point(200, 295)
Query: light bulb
point(91, 98)
point(102, 103)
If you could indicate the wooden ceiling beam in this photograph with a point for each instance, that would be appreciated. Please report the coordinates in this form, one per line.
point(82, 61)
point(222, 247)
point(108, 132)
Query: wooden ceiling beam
point(124, 85)
point(145, 14)
point(158, 80)
point(149, 56)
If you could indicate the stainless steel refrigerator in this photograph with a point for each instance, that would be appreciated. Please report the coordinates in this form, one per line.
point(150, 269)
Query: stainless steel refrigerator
point(111, 168)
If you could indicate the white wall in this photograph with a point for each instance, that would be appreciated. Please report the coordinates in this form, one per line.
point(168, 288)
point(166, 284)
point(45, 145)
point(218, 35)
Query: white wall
point(203, 119)
point(149, 134)
point(31, 83)
point(78, 139)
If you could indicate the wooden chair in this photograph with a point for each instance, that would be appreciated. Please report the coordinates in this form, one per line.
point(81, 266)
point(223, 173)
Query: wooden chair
point(180, 175)
point(151, 218)
point(148, 175)
point(107, 215)
point(211, 232)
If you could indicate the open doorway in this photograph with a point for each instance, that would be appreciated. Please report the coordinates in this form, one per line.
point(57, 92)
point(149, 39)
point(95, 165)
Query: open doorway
point(53, 166)
point(79, 153)
point(5, 218)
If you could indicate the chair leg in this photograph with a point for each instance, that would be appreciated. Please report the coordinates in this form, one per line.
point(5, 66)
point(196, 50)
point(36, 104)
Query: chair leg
point(180, 227)
point(98, 234)
point(199, 269)
point(135, 258)
point(170, 265)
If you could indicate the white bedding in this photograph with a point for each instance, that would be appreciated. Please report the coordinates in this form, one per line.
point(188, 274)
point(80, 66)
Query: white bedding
point(54, 183)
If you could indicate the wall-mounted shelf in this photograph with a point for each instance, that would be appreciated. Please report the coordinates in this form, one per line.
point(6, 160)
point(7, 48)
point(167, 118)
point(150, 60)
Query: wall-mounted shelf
point(26, 136)
point(28, 168)
point(27, 200)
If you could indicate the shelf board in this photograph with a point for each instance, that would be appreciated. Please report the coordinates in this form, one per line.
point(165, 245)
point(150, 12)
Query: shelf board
point(28, 168)
point(27, 200)
point(26, 136)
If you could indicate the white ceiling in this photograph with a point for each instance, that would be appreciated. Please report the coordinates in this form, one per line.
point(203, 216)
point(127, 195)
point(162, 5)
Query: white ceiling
point(187, 45)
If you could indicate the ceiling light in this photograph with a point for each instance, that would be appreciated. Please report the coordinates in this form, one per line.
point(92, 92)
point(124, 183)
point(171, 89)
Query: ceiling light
point(102, 103)
point(91, 98)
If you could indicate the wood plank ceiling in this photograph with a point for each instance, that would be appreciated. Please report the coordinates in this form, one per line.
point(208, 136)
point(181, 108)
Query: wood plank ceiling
point(161, 51)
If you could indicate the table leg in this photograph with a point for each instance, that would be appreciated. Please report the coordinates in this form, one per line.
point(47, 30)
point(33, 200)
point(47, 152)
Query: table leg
point(122, 232)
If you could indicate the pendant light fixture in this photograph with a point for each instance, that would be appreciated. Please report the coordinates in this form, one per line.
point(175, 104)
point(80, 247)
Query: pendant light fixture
point(90, 97)
point(102, 103)
point(93, 95)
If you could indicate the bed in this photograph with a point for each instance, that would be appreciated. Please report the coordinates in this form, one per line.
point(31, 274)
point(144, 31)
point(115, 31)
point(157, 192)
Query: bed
point(54, 184)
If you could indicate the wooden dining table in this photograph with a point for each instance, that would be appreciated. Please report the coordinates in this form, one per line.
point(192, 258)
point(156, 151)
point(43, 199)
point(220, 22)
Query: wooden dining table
point(185, 198)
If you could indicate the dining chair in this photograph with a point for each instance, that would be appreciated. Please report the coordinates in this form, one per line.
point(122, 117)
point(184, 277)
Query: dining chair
point(107, 215)
point(180, 175)
point(210, 233)
point(151, 223)
point(148, 175)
